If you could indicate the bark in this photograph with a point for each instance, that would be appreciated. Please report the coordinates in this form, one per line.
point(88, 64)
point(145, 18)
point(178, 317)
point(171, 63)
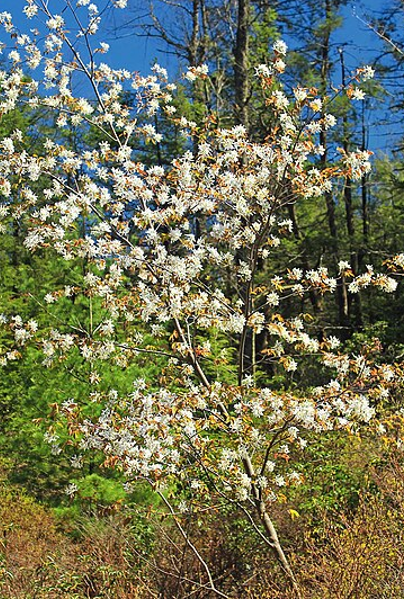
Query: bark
point(194, 40)
point(269, 528)
point(241, 63)
point(342, 295)
point(364, 185)
point(356, 304)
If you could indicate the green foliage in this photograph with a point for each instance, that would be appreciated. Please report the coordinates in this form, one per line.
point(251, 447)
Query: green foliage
point(335, 472)
point(99, 491)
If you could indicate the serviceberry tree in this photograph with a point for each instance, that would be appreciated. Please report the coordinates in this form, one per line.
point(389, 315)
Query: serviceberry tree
point(175, 265)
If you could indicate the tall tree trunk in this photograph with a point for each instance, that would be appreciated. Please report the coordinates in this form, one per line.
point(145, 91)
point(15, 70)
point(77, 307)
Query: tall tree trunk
point(194, 40)
point(355, 304)
point(364, 185)
point(342, 295)
point(241, 63)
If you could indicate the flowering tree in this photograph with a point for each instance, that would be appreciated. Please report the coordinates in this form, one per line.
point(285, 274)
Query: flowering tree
point(176, 265)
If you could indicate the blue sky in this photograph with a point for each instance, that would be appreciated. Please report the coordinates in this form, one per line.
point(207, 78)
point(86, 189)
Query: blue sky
point(137, 53)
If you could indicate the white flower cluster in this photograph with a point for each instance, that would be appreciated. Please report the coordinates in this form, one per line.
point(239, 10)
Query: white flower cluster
point(169, 258)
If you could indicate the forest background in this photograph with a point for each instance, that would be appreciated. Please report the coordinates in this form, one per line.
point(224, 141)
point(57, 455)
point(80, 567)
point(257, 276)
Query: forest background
point(80, 532)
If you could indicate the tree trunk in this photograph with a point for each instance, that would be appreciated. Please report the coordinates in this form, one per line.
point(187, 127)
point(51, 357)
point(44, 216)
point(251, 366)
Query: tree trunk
point(241, 50)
